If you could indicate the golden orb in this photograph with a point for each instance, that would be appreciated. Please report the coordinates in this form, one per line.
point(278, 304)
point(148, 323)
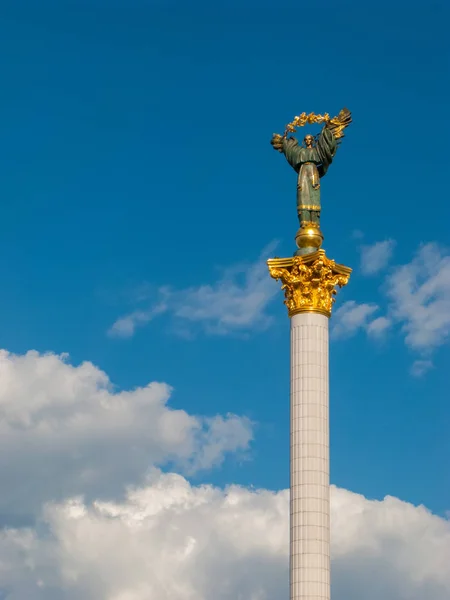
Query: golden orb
point(309, 236)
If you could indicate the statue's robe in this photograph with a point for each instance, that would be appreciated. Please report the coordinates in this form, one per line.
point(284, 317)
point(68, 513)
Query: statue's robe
point(311, 164)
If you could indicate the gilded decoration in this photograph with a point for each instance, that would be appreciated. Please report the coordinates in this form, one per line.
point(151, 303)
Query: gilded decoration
point(309, 281)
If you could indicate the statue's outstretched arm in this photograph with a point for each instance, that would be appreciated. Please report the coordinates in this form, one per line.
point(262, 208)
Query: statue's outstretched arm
point(292, 151)
point(277, 142)
point(287, 146)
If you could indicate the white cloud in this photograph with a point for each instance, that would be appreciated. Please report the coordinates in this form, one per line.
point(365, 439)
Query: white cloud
point(420, 367)
point(351, 317)
point(236, 302)
point(419, 293)
point(389, 549)
point(378, 326)
point(125, 327)
point(418, 302)
point(169, 540)
point(375, 257)
point(65, 430)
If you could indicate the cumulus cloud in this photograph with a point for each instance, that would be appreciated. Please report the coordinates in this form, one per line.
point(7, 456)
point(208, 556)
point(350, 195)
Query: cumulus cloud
point(419, 293)
point(237, 301)
point(376, 551)
point(375, 257)
point(114, 529)
point(169, 540)
point(65, 430)
point(352, 317)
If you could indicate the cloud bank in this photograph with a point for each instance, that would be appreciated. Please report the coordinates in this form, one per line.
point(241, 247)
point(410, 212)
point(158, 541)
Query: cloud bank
point(104, 523)
point(169, 540)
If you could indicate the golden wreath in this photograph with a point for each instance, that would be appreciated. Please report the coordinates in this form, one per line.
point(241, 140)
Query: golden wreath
point(336, 125)
point(303, 119)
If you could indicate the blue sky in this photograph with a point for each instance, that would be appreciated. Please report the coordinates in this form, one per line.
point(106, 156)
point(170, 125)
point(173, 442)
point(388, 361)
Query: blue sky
point(135, 153)
point(137, 175)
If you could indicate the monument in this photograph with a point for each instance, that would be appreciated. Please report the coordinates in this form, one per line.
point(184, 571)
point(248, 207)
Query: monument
point(309, 280)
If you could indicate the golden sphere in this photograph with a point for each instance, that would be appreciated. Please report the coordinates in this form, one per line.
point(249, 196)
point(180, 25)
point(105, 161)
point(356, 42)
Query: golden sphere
point(309, 236)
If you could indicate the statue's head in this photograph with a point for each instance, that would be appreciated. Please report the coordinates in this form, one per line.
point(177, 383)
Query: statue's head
point(308, 140)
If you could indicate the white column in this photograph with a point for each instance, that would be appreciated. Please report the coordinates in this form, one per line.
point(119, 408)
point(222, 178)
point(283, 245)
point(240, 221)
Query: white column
point(310, 478)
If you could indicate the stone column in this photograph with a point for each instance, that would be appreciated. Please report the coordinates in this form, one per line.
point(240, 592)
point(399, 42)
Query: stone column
point(309, 283)
point(310, 484)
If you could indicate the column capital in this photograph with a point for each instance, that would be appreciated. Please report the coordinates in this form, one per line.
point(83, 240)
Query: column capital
point(309, 281)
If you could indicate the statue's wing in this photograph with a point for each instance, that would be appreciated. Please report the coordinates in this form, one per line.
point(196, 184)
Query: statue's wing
point(339, 123)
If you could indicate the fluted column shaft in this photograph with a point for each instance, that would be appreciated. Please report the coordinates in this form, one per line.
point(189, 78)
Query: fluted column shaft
point(310, 479)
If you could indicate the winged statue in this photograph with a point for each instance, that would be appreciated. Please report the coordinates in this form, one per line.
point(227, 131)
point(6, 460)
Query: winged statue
point(311, 159)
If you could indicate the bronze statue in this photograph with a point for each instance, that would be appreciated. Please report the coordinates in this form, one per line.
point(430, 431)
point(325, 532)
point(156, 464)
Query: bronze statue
point(311, 161)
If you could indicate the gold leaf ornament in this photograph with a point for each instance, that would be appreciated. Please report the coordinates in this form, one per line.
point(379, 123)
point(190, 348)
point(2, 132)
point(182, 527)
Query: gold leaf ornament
point(303, 119)
point(336, 124)
point(309, 282)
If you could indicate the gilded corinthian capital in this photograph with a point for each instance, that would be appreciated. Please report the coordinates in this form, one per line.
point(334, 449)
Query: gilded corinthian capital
point(309, 282)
